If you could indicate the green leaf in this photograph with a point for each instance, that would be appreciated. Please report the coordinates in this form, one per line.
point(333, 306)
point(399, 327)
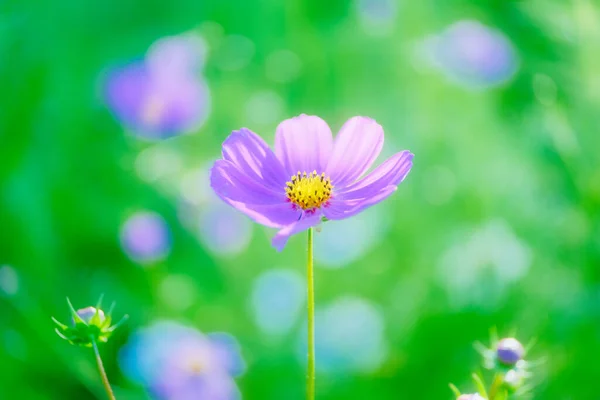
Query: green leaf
point(74, 314)
point(454, 390)
point(59, 324)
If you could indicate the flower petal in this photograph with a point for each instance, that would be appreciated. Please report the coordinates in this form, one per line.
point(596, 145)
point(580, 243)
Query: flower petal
point(302, 224)
point(342, 209)
point(303, 144)
point(230, 183)
point(391, 172)
point(226, 351)
point(273, 216)
point(249, 152)
point(356, 147)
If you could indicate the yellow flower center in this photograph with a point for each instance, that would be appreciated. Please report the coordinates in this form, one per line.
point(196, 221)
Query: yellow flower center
point(308, 191)
point(194, 366)
point(152, 111)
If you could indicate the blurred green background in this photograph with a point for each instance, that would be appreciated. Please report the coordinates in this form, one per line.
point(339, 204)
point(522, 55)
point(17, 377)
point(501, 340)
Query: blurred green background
point(496, 225)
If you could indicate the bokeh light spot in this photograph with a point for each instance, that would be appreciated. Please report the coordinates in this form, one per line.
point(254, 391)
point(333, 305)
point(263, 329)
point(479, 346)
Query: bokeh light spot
point(145, 237)
point(9, 281)
point(277, 299)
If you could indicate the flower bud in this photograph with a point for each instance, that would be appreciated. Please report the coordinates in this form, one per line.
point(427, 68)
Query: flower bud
point(90, 325)
point(87, 314)
point(509, 351)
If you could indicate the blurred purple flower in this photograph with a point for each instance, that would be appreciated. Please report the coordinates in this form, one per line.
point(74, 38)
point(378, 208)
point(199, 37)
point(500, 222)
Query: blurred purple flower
point(145, 237)
point(162, 95)
point(177, 362)
point(176, 55)
point(223, 231)
point(309, 175)
point(473, 54)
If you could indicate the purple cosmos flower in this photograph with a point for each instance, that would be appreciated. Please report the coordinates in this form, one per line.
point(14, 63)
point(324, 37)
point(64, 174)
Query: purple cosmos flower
point(177, 362)
point(145, 237)
point(160, 96)
point(309, 175)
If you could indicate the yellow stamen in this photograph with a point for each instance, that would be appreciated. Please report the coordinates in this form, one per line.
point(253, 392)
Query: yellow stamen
point(152, 111)
point(196, 368)
point(308, 191)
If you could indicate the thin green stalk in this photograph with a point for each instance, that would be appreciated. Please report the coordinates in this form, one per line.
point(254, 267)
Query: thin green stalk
point(310, 376)
point(103, 376)
point(496, 392)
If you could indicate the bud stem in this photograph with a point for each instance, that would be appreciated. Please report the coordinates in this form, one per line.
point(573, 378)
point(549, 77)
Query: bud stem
point(495, 393)
point(103, 376)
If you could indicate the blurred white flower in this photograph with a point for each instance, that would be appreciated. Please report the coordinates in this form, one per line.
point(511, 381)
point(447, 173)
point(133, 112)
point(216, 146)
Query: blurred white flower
point(477, 269)
point(343, 242)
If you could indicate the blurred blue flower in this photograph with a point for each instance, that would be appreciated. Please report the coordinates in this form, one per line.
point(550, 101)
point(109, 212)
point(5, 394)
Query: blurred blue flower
point(162, 95)
point(377, 17)
point(277, 298)
point(145, 237)
point(349, 337)
point(344, 242)
point(177, 362)
point(477, 269)
point(473, 54)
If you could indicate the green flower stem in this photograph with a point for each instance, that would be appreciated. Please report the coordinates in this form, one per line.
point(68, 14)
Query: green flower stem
point(310, 376)
point(496, 392)
point(105, 382)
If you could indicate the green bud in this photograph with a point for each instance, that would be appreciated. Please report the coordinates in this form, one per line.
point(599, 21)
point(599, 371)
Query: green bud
point(87, 315)
point(89, 324)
